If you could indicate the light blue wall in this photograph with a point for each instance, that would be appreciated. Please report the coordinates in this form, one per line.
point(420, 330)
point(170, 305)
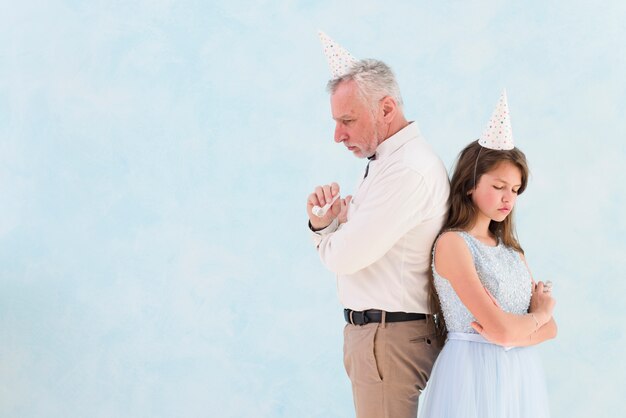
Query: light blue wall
point(155, 159)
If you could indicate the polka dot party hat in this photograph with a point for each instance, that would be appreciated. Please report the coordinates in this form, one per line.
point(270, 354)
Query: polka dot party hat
point(339, 59)
point(498, 134)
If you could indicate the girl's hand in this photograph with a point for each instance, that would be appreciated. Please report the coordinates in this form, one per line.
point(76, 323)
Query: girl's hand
point(542, 303)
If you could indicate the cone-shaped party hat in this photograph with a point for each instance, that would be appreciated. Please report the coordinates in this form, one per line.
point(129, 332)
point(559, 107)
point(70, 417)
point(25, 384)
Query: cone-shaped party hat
point(498, 134)
point(339, 59)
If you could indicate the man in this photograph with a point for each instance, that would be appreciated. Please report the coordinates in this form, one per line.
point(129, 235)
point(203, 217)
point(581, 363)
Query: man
point(379, 242)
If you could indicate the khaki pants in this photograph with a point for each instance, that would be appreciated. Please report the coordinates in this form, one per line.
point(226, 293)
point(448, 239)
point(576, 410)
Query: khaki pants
point(388, 365)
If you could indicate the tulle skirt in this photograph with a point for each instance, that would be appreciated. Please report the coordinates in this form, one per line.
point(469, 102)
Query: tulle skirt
point(476, 379)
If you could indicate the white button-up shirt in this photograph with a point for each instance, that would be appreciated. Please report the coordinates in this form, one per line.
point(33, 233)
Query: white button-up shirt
point(382, 254)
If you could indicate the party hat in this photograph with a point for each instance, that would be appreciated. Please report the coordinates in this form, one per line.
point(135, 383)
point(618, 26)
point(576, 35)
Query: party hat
point(498, 134)
point(339, 59)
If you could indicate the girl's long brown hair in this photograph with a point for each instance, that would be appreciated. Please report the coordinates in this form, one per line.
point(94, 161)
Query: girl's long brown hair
point(473, 162)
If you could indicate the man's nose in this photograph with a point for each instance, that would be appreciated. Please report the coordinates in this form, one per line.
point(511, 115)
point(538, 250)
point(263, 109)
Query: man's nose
point(340, 134)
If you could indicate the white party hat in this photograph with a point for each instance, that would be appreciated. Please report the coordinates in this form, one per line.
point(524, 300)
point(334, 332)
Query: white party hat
point(339, 59)
point(498, 134)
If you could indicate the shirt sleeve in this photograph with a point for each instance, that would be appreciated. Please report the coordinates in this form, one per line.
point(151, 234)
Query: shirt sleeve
point(396, 202)
point(318, 235)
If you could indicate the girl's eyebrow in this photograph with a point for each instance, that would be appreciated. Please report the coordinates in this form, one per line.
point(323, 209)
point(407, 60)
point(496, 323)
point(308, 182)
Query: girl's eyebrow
point(506, 182)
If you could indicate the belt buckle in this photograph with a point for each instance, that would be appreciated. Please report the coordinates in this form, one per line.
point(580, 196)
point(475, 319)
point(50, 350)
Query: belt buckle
point(361, 318)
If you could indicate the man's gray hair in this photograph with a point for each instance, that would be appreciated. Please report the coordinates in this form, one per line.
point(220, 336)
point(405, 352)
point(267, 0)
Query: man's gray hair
point(374, 79)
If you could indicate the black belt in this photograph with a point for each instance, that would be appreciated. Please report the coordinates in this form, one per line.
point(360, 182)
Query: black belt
point(375, 315)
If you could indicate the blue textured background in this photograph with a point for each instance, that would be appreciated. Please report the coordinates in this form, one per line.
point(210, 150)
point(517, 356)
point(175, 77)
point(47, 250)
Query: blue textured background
point(155, 159)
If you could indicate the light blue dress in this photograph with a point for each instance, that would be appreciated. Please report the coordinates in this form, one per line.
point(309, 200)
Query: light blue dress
point(473, 378)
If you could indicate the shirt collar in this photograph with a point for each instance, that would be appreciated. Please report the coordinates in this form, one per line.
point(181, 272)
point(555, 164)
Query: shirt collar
point(397, 140)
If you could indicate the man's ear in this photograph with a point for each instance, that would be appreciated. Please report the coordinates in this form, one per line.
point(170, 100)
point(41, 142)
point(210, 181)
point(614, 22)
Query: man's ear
point(389, 108)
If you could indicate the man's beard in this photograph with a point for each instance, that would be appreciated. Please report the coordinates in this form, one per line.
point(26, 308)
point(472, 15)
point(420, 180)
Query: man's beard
point(370, 153)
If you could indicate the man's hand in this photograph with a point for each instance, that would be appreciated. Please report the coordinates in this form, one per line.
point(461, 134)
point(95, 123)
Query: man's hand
point(343, 214)
point(321, 196)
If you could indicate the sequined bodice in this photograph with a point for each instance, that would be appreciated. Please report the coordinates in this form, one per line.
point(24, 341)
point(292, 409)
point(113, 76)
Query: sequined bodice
point(500, 269)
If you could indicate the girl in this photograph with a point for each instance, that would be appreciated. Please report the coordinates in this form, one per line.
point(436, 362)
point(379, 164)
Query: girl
point(493, 310)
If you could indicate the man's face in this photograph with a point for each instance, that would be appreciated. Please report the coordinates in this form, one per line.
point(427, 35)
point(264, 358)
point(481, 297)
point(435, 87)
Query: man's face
point(355, 125)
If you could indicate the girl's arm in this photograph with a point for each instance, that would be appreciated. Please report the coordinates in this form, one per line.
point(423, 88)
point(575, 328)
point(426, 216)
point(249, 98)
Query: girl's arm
point(454, 262)
point(546, 332)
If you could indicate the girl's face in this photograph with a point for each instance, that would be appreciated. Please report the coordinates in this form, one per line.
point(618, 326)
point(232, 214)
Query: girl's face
point(496, 191)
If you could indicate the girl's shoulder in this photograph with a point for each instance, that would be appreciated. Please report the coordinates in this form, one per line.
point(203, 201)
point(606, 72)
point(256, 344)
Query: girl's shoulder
point(450, 237)
point(452, 256)
point(451, 243)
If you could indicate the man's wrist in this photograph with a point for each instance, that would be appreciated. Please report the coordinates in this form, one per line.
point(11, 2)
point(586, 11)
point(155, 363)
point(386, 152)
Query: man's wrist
point(314, 229)
point(331, 227)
